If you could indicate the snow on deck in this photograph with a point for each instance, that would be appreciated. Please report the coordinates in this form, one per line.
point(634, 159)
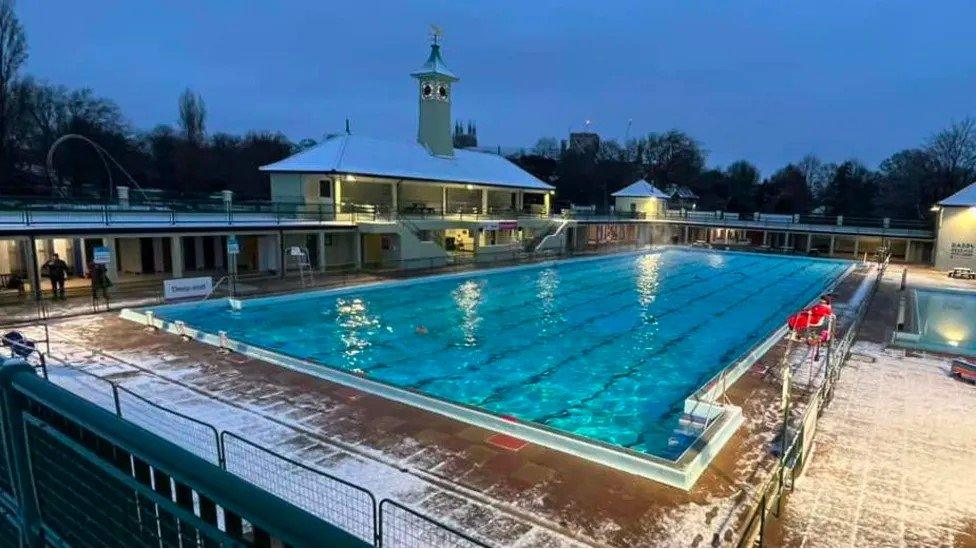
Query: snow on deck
point(264, 420)
point(893, 459)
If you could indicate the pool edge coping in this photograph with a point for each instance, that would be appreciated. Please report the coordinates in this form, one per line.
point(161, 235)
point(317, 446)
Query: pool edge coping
point(723, 420)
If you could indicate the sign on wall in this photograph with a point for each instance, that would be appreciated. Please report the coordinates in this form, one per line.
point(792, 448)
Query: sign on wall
point(233, 247)
point(961, 249)
point(179, 288)
point(101, 256)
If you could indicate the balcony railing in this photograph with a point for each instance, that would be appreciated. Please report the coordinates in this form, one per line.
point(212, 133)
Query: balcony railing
point(761, 220)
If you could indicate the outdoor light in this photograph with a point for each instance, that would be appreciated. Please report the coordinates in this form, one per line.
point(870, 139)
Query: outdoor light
point(469, 187)
point(934, 208)
point(350, 177)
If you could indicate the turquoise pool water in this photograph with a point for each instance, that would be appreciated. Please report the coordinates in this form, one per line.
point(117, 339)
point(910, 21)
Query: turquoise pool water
point(604, 348)
point(947, 321)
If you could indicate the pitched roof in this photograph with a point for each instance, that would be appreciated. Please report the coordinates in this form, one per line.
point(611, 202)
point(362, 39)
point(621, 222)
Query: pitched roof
point(965, 197)
point(641, 189)
point(435, 66)
point(681, 191)
point(360, 155)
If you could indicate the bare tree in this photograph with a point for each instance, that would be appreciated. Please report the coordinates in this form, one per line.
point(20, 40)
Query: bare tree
point(816, 172)
point(953, 150)
point(193, 116)
point(13, 53)
point(546, 147)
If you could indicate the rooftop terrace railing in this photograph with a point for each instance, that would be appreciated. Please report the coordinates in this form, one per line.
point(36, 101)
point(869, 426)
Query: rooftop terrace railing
point(757, 220)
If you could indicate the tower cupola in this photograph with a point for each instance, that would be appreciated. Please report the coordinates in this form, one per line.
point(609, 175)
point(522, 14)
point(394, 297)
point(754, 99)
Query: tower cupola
point(435, 82)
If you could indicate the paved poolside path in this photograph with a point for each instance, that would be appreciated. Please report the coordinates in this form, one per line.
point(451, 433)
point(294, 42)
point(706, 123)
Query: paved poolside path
point(894, 459)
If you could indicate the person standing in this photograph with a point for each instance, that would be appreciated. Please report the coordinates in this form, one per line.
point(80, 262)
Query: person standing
point(100, 282)
point(57, 271)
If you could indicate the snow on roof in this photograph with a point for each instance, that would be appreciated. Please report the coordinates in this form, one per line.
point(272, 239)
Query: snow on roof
point(965, 197)
point(435, 65)
point(642, 189)
point(367, 156)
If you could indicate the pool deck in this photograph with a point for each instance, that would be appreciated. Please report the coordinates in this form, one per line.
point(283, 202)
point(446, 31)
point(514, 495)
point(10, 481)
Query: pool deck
point(893, 457)
point(535, 496)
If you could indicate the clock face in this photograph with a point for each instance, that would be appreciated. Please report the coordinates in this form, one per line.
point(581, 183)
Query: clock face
point(442, 92)
point(427, 90)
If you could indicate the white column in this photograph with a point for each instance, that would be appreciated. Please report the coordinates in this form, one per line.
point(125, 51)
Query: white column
point(686, 234)
point(176, 255)
point(809, 242)
point(908, 251)
point(831, 252)
point(484, 201)
point(112, 269)
point(765, 238)
point(157, 247)
point(84, 256)
point(393, 187)
point(321, 258)
point(547, 202)
point(444, 200)
point(856, 242)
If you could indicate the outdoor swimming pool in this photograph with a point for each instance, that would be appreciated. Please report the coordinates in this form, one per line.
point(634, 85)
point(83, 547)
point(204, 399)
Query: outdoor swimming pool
point(605, 348)
point(945, 322)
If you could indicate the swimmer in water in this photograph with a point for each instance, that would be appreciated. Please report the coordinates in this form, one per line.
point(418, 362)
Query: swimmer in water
point(421, 330)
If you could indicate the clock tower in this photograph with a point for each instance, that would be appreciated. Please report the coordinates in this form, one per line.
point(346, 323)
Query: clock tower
point(435, 82)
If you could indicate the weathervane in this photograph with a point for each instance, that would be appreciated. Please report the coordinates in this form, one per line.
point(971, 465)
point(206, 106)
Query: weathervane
point(436, 33)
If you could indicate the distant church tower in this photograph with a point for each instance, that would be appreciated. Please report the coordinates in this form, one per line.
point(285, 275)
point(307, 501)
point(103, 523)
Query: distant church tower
point(434, 130)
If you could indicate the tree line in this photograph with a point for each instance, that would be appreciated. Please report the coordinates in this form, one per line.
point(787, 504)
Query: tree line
point(187, 161)
point(905, 185)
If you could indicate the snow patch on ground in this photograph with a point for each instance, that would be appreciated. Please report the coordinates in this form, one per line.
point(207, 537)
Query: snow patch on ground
point(893, 458)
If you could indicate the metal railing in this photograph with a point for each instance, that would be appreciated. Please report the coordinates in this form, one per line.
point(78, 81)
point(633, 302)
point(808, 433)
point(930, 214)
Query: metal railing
point(344, 504)
point(761, 221)
point(795, 444)
point(80, 476)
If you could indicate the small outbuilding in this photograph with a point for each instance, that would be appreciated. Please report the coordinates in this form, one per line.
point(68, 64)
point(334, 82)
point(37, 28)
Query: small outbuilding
point(641, 199)
point(955, 244)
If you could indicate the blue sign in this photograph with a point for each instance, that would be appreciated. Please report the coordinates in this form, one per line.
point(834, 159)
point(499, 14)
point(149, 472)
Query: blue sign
point(232, 246)
point(101, 256)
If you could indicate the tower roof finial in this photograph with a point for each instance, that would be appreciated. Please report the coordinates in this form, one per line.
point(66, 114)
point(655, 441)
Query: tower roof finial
point(435, 65)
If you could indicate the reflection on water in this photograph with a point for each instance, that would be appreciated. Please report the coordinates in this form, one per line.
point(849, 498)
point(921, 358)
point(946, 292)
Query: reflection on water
point(547, 283)
point(467, 297)
point(355, 326)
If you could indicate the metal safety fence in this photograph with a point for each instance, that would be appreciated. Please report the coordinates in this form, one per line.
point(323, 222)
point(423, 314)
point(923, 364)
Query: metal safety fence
point(344, 504)
point(797, 434)
point(403, 527)
point(77, 475)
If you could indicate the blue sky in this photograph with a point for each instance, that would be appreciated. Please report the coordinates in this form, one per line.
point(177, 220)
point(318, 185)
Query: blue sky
point(764, 81)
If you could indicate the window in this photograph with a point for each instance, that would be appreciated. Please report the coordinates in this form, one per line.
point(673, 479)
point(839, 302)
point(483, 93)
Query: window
point(325, 188)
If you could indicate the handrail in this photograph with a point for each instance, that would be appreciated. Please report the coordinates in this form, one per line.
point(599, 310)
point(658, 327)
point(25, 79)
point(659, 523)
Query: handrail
point(272, 514)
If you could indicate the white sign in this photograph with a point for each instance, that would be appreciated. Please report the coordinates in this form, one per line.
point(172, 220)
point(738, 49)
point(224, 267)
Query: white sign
point(490, 226)
point(178, 288)
point(296, 251)
point(101, 256)
point(232, 246)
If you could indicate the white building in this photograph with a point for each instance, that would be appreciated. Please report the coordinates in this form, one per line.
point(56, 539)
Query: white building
point(955, 244)
point(641, 199)
point(420, 201)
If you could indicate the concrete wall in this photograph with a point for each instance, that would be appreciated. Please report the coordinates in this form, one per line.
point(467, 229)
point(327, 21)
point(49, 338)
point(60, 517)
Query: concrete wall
point(956, 243)
point(130, 255)
point(641, 205)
